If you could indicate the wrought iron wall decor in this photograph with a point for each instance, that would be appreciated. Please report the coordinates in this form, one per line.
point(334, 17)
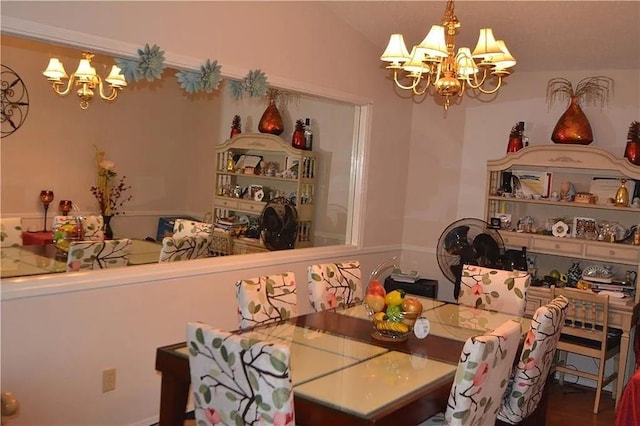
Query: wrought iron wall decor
point(15, 101)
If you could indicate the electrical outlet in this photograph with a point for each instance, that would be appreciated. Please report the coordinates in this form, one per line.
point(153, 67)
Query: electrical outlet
point(109, 380)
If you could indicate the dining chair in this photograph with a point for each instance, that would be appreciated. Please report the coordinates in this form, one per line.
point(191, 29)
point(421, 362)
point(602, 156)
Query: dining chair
point(184, 248)
point(266, 299)
point(529, 377)
point(89, 255)
point(93, 228)
point(586, 332)
point(239, 380)
point(10, 232)
point(334, 284)
point(481, 378)
point(494, 289)
point(190, 228)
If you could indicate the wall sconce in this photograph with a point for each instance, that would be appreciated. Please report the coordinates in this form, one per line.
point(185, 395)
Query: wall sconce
point(85, 78)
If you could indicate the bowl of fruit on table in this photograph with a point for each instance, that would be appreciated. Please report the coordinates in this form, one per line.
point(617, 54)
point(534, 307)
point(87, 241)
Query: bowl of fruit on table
point(392, 314)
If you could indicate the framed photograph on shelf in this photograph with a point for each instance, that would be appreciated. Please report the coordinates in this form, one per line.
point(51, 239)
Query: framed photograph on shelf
point(585, 228)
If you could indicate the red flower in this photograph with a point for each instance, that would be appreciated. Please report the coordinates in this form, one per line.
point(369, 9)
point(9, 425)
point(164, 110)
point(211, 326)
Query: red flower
point(331, 300)
point(212, 416)
point(481, 374)
point(528, 341)
point(283, 419)
point(530, 364)
point(477, 289)
point(75, 265)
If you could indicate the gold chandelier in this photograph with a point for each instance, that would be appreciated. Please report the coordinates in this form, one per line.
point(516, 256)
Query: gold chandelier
point(85, 78)
point(434, 63)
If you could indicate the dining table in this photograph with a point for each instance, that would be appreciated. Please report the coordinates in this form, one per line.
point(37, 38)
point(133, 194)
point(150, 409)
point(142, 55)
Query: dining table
point(343, 374)
point(20, 261)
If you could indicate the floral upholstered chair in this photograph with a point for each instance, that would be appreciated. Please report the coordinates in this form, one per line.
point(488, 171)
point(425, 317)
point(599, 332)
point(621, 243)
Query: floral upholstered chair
point(185, 248)
point(237, 380)
point(10, 232)
point(494, 289)
point(93, 228)
point(190, 228)
point(266, 299)
point(88, 255)
point(482, 375)
point(334, 284)
point(60, 220)
point(524, 390)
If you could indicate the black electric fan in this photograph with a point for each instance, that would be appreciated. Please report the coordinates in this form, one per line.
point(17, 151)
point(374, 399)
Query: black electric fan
point(279, 224)
point(468, 241)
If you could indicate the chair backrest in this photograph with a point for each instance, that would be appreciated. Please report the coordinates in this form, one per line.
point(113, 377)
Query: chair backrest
point(10, 232)
point(266, 299)
point(93, 228)
point(482, 375)
point(184, 248)
point(334, 284)
point(587, 314)
point(98, 254)
point(525, 388)
point(237, 380)
point(495, 289)
point(190, 228)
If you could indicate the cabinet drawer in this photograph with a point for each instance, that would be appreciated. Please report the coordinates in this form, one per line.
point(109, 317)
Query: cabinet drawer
point(532, 305)
point(226, 203)
point(560, 246)
point(513, 239)
point(250, 207)
point(615, 252)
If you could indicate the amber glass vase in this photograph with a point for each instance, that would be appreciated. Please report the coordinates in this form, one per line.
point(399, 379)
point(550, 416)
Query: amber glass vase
point(271, 121)
point(573, 126)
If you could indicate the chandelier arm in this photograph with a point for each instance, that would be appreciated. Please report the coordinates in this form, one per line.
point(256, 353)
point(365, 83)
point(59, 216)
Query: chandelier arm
point(426, 87)
point(56, 86)
point(475, 84)
point(416, 81)
point(490, 92)
point(111, 96)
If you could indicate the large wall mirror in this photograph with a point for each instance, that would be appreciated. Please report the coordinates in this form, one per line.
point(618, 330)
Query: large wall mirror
point(162, 139)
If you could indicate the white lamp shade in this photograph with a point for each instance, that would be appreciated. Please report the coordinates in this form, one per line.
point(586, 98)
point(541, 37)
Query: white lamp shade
point(415, 64)
point(115, 77)
point(55, 70)
point(85, 71)
point(396, 50)
point(487, 46)
point(503, 60)
point(434, 43)
point(466, 64)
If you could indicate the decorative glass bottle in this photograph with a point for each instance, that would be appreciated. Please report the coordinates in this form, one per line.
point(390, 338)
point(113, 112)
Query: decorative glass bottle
point(271, 121)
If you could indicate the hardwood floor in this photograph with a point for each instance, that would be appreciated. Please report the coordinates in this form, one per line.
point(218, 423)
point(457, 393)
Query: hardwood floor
point(573, 405)
point(569, 405)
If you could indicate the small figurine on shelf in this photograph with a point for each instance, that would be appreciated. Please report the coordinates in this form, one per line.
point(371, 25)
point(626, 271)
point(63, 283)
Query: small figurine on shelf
point(235, 126)
point(567, 191)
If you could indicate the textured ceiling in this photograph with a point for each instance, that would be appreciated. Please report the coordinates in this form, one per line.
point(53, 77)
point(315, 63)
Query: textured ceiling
point(542, 35)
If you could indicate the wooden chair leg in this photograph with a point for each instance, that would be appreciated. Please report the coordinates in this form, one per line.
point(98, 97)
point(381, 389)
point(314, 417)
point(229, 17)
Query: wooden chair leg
point(562, 361)
point(596, 404)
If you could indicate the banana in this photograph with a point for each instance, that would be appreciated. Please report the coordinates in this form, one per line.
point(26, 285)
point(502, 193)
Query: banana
point(397, 327)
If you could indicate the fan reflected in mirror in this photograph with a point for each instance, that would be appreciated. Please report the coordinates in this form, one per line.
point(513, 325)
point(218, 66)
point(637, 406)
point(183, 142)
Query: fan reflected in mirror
point(279, 224)
point(456, 240)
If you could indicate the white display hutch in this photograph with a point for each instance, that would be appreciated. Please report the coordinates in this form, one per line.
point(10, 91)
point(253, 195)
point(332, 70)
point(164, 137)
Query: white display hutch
point(579, 165)
point(298, 184)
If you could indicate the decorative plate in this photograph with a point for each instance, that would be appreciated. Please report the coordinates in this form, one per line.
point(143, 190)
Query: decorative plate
point(560, 229)
point(15, 101)
point(597, 273)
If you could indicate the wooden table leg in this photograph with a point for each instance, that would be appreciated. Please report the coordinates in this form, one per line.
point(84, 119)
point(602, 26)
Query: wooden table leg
point(173, 400)
point(622, 364)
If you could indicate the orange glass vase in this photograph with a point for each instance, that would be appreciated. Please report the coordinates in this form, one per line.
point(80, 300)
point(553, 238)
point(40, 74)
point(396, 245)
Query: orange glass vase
point(573, 126)
point(271, 121)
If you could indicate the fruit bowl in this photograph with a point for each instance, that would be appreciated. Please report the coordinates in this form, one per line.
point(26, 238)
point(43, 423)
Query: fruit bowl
point(392, 314)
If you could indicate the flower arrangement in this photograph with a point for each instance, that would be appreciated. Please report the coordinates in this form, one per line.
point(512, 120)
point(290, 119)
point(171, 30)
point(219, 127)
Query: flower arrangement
point(109, 191)
point(591, 90)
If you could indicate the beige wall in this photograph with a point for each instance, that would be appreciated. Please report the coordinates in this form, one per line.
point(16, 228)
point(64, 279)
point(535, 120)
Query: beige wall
point(108, 320)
